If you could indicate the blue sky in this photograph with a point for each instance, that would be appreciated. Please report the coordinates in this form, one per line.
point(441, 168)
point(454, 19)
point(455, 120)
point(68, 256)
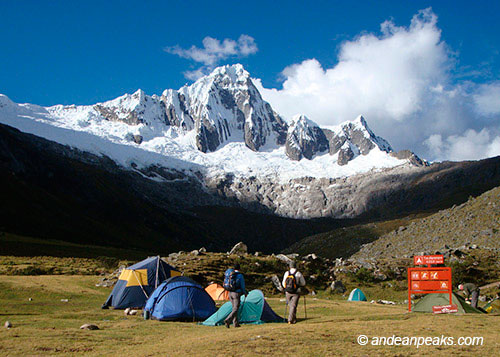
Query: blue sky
point(68, 52)
point(82, 52)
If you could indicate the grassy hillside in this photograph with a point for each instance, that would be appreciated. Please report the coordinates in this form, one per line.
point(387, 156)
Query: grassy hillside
point(345, 241)
point(475, 222)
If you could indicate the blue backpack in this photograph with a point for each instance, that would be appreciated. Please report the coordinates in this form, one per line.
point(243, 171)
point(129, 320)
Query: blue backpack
point(230, 280)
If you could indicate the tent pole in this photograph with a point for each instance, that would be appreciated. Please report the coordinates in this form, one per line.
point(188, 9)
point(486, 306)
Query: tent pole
point(144, 291)
point(157, 266)
point(192, 309)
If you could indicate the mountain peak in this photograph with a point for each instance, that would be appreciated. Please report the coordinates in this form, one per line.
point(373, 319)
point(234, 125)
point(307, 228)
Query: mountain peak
point(358, 133)
point(236, 72)
point(139, 94)
point(304, 138)
point(358, 123)
point(302, 120)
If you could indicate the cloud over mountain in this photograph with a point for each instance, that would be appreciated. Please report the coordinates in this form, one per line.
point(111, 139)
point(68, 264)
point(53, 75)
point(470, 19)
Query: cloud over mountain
point(214, 51)
point(401, 80)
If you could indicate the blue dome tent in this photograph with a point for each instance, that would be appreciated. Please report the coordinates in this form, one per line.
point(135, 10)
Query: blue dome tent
point(180, 298)
point(137, 282)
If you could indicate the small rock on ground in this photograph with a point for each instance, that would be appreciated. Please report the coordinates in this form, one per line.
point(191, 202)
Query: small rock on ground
point(89, 327)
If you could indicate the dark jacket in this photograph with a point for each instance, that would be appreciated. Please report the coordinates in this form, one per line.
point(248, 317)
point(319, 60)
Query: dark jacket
point(241, 283)
point(469, 288)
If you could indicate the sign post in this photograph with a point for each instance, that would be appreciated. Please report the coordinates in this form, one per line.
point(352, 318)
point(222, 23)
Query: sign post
point(429, 280)
point(428, 259)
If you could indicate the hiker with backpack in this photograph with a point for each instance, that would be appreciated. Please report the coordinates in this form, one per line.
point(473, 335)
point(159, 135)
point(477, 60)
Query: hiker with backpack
point(471, 292)
point(293, 280)
point(234, 282)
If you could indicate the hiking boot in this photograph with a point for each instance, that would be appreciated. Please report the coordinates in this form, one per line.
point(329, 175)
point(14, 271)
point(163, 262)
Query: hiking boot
point(237, 325)
point(227, 324)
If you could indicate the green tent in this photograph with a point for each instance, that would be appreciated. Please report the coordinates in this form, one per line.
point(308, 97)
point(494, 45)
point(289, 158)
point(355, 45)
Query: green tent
point(426, 303)
point(356, 295)
point(253, 310)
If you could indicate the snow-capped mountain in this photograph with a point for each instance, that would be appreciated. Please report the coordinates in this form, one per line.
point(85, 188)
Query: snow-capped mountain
point(304, 138)
point(354, 138)
point(218, 125)
point(225, 106)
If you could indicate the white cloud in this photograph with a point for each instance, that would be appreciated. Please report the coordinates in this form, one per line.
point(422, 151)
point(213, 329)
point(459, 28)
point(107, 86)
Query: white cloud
point(389, 74)
point(400, 81)
point(195, 74)
point(487, 99)
point(247, 45)
point(214, 50)
point(472, 145)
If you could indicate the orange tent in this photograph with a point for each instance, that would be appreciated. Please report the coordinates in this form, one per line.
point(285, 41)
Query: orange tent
point(217, 292)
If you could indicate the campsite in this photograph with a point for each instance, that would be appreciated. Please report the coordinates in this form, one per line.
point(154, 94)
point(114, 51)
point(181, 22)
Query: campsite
point(249, 178)
point(46, 312)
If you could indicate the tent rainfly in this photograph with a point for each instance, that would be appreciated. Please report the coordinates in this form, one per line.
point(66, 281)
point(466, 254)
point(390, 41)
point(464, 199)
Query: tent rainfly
point(136, 283)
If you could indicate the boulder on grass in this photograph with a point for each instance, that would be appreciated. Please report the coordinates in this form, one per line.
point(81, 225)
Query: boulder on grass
point(337, 287)
point(284, 258)
point(239, 248)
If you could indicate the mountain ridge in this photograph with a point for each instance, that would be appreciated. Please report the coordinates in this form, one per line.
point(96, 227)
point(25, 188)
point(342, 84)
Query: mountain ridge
point(220, 116)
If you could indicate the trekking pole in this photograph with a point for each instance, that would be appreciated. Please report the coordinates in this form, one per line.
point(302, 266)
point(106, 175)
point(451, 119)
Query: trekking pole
point(305, 308)
point(286, 309)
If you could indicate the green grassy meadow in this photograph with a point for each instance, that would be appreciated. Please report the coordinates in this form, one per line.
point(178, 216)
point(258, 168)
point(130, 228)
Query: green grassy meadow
point(48, 326)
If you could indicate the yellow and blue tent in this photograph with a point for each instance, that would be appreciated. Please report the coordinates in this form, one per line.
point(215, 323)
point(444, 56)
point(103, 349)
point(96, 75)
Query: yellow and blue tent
point(137, 282)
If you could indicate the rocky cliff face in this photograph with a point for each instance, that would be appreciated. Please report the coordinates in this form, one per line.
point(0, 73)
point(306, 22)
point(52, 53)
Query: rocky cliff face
point(225, 106)
point(346, 141)
point(304, 139)
point(383, 193)
point(355, 138)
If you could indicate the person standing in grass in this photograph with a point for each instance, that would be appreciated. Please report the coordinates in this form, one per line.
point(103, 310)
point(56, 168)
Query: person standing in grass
point(293, 280)
point(471, 292)
point(234, 282)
